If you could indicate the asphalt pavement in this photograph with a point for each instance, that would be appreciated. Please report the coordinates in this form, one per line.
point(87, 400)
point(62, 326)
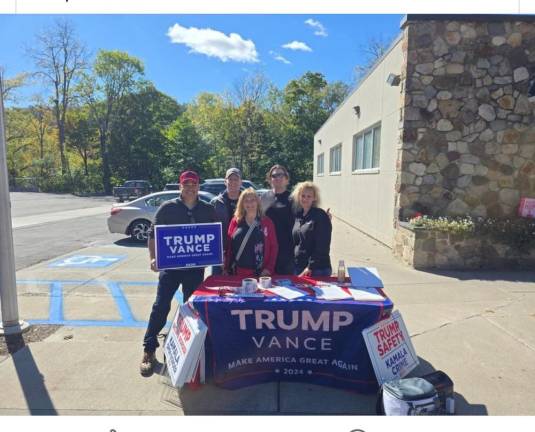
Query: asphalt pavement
point(478, 327)
point(50, 225)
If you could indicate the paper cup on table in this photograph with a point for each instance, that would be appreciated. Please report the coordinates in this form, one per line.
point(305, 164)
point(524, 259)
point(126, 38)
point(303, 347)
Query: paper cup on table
point(248, 285)
point(265, 282)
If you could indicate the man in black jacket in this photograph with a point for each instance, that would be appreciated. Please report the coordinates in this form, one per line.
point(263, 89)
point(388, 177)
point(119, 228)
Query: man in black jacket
point(225, 205)
point(276, 204)
point(186, 209)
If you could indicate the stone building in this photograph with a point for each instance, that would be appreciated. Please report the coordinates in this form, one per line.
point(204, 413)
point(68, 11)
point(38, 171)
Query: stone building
point(442, 125)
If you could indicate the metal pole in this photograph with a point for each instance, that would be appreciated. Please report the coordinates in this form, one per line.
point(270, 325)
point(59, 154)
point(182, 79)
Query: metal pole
point(9, 310)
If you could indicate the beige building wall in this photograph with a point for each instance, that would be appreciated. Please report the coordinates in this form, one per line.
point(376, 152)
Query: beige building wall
point(364, 199)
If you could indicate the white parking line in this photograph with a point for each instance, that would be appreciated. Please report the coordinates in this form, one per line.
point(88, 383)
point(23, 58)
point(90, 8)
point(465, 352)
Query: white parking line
point(26, 221)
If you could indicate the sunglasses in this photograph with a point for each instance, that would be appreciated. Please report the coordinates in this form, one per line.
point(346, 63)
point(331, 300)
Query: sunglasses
point(278, 175)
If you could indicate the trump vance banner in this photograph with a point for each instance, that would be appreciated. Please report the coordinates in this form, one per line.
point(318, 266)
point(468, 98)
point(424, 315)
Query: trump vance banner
point(270, 339)
point(188, 245)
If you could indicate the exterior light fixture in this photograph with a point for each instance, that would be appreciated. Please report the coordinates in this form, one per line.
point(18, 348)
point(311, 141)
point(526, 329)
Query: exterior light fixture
point(393, 80)
point(356, 108)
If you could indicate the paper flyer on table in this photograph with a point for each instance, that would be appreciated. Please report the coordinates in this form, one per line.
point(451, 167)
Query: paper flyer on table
point(365, 294)
point(288, 293)
point(331, 292)
point(365, 277)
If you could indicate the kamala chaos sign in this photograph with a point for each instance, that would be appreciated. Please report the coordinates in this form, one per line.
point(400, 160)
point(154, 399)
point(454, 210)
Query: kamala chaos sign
point(188, 245)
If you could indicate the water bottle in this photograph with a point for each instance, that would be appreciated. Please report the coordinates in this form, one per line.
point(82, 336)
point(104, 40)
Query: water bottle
point(341, 271)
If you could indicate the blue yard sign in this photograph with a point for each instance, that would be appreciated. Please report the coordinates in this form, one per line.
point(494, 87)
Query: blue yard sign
point(188, 245)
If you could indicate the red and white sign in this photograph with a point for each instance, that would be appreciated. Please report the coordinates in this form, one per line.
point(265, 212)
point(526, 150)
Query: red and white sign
point(527, 207)
point(184, 345)
point(390, 348)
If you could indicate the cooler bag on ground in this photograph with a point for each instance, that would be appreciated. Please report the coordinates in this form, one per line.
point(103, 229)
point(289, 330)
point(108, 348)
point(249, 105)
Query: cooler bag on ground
point(409, 396)
point(444, 387)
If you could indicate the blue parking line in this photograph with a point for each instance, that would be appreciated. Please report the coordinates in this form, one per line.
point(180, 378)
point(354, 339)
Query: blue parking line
point(56, 302)
point(121, 302)
point(56, 314)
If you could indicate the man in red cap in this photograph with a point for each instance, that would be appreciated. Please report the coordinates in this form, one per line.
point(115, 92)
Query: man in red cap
point(186, 209)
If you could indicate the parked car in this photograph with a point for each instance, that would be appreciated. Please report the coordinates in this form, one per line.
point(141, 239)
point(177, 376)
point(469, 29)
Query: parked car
point(132, 189)
point(171, 186)
point(135, 218)
point(217, 185)
point(261, 192)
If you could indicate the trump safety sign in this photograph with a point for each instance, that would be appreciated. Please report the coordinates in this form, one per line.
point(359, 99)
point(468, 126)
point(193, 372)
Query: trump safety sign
point(390, 348)
point(188, 245)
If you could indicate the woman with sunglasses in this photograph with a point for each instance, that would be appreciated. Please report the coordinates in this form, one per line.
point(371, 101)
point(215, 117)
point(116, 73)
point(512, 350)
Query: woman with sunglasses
point(277, 206)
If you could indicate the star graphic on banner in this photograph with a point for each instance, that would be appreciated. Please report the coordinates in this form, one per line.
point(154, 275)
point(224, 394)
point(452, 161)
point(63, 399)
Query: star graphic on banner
point(309, 372)
point(277, 370)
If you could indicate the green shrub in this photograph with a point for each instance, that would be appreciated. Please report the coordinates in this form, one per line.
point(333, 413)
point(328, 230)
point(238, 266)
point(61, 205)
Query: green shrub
point(518, 233)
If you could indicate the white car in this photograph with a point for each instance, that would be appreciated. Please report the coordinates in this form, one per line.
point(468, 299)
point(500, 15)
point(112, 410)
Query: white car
point(135, 217)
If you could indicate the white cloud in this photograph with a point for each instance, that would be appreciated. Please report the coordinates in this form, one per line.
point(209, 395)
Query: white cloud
point(214, 43)
point(280, 58)
point(297, 46)
point(320, 29)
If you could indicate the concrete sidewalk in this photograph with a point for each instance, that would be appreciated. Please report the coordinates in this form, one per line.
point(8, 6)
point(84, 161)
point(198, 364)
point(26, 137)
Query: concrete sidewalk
point(477, 327)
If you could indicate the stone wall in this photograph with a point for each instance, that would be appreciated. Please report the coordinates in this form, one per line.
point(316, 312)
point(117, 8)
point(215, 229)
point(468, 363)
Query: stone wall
point(467, 129)
point(426, 249)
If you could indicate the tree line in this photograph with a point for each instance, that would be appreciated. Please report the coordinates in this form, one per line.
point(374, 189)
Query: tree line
point(102, 122)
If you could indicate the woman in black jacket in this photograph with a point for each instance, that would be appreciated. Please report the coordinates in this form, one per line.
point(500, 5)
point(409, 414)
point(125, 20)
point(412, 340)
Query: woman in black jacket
point(311, 232)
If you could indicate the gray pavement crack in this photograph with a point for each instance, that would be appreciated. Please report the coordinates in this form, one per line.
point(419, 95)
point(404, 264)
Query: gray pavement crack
point(484, 315)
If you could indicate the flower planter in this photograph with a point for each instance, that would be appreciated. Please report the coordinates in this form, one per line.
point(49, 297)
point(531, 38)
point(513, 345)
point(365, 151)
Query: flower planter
point(426, 249)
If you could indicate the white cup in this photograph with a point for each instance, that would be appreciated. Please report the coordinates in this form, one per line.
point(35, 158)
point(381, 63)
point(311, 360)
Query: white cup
point(248, 285)
point(265, 282)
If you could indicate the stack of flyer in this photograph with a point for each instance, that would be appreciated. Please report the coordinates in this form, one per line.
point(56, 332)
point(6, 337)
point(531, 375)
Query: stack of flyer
point(184, 347)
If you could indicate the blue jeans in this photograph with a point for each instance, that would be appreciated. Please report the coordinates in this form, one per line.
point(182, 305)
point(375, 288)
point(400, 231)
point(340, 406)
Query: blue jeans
point(169, 281)
point(315, 272)
point(217, 270)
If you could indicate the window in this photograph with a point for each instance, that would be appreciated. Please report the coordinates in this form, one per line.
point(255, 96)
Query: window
point(335, 159)
point(366, 146)
point(319, 164)
point(157, 200)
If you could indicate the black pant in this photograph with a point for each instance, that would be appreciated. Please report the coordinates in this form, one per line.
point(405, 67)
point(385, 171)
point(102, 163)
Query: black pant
point(284, 266)
point(169, 282)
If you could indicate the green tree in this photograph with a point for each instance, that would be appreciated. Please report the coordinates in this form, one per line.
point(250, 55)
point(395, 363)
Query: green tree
point(115, 75)
point(41, 124)
point(212, 118)
point(186, 148)
point(20, 150)
point(138, 141)
point(82, 136)
point(296, 113)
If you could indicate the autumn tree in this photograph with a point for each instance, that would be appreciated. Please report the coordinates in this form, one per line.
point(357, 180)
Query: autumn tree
point(60, 58)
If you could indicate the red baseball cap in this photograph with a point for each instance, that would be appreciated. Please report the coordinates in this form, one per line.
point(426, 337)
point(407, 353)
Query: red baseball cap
point(189, 175)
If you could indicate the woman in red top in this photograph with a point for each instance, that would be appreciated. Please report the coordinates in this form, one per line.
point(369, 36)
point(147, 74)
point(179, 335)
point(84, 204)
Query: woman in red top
point(254, 235)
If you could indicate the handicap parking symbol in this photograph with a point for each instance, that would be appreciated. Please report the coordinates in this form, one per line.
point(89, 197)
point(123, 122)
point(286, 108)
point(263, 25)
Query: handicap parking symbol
point(87, 261)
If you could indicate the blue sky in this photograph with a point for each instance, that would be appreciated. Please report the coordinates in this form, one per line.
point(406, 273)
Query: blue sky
point(203, 60)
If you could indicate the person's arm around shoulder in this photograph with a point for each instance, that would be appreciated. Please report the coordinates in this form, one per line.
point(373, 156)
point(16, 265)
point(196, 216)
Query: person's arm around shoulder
point(271, 247)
